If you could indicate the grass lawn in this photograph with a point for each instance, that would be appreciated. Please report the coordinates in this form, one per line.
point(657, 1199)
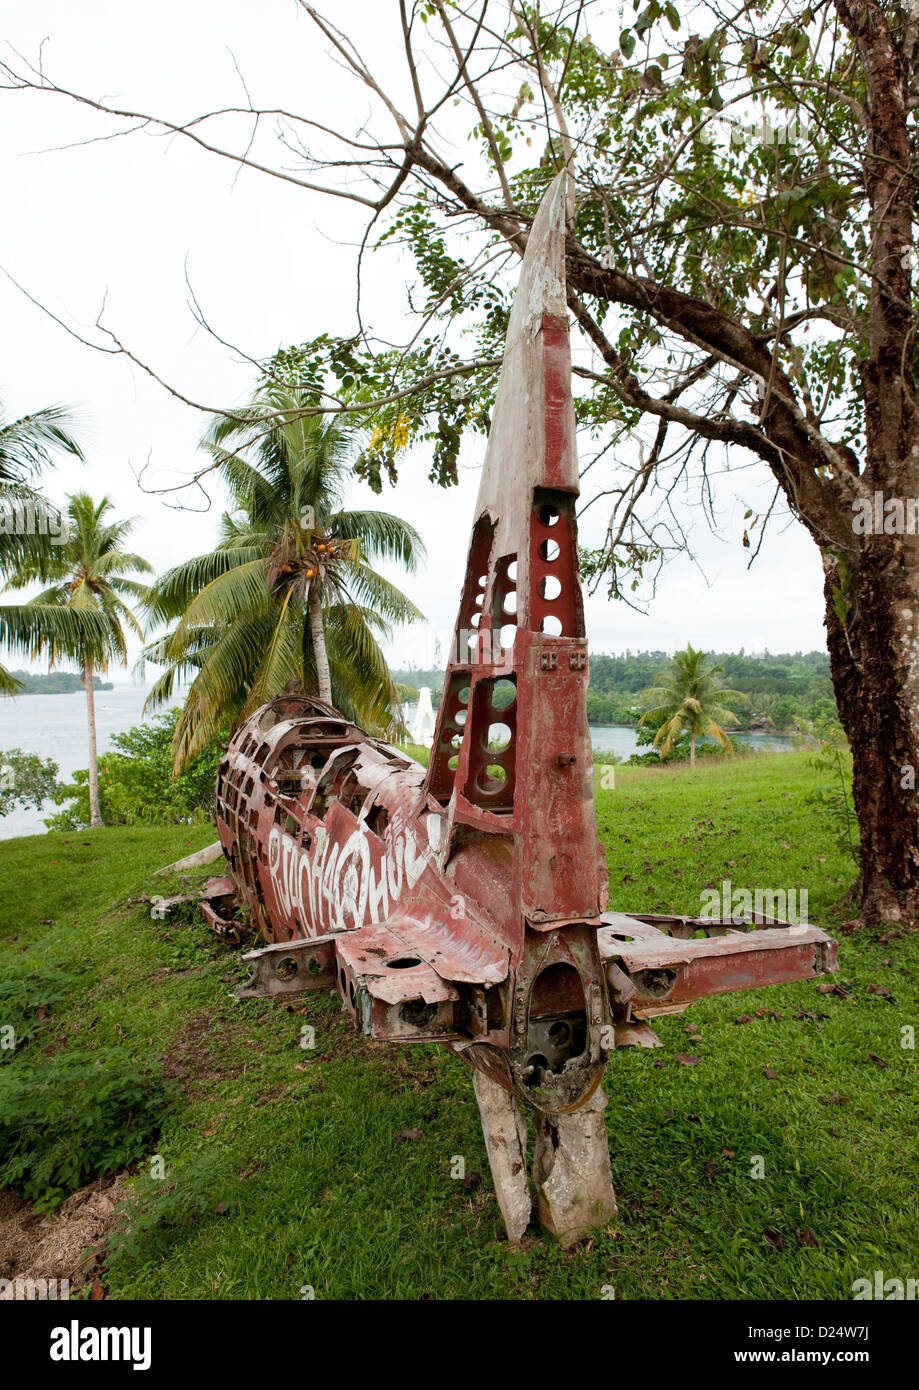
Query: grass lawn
point(285, 1166)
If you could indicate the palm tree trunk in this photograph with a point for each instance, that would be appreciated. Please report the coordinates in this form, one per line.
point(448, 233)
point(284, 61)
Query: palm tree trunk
point(95, 811)
point(323, 675)
point(692, 750)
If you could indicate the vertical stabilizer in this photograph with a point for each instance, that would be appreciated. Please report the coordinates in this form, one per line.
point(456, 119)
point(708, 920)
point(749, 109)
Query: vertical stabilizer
point(512, 746)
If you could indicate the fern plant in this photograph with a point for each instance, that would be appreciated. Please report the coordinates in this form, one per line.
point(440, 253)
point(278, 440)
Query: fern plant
point(73, 1117)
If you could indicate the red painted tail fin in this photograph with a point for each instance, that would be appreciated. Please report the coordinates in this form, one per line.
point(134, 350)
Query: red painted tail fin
point(517, 674)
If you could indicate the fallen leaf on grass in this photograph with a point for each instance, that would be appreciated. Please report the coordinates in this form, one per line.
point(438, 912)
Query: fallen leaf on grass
point(880, 1060)
point(772, 1075)
point(882, 990)
point(774, 1238)
point(220, 1208)
point(828, 987)
point(686, 1059)
point(745, 1018)
point(806, 1237)
point(729, 1153)
point(834, 1099)
point(404, 1135)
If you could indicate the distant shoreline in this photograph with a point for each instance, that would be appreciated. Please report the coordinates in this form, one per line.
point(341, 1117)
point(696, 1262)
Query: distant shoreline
point(55, 683)
point(56, 729)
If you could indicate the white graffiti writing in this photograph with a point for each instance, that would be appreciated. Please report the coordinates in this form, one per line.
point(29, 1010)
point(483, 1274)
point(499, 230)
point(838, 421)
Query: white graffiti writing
point(334, 887)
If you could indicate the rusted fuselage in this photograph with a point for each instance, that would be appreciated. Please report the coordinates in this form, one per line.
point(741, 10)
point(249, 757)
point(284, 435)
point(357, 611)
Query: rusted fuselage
point(467, 903)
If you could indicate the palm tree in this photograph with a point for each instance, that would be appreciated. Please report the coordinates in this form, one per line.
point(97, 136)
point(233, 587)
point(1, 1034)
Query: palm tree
point(687, 698)
point(81, 616)
point(288, 599)
point(27, 446)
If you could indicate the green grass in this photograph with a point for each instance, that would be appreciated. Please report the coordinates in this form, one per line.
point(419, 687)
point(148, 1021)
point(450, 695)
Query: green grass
point(282, 1166)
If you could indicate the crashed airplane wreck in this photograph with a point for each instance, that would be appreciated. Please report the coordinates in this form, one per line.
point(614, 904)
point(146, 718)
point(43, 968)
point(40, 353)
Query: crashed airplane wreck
point(466, 904)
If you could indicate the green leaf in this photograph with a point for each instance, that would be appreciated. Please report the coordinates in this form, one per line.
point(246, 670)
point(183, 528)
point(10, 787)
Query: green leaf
point(800, 45)
point(646, 18)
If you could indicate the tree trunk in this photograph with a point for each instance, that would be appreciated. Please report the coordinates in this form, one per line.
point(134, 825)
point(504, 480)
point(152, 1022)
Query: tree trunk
point(692, 750)
point(321, 656)
point(872, 619)
point(95, 811)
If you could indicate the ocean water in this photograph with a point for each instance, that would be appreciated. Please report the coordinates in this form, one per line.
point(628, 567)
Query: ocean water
point(616, 738)
point(624, 741)
point(54, 726)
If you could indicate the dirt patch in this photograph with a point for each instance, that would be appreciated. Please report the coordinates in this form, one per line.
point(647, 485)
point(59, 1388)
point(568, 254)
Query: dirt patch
point(201, 1049)
point(336, 1037)
point(64, 1244)
point(188, 1054)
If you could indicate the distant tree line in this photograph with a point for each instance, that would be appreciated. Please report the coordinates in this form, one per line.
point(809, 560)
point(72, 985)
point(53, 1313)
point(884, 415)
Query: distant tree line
point(55, 683)
point(784, 690)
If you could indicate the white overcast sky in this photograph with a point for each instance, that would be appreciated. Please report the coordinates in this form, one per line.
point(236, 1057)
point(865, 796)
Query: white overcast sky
point(120, 221)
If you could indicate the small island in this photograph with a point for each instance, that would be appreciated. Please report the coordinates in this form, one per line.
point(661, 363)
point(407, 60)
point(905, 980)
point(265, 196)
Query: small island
point(55, 683)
